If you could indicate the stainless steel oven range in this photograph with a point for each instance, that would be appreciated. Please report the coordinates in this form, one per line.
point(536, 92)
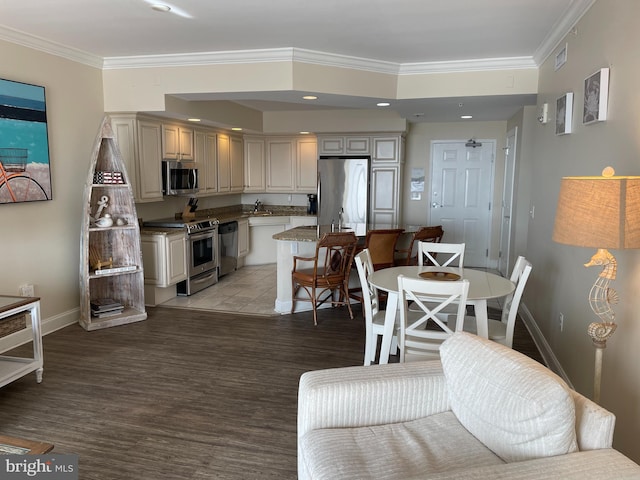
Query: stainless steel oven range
point(202, 251)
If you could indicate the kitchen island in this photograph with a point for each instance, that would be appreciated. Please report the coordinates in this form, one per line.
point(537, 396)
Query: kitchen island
point(301, 242)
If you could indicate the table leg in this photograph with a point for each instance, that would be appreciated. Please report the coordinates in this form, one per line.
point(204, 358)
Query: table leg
point(389, 326)
point(482, 319)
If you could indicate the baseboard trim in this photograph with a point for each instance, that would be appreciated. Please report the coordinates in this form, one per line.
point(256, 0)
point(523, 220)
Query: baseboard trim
point(49, 325)
point(548, 356)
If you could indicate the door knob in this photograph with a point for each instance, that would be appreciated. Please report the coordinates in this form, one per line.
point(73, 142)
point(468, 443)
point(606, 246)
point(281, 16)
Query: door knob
point(436, 205)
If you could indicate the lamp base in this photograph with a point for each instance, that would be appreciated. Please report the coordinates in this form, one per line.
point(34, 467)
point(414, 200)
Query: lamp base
point(599, 333)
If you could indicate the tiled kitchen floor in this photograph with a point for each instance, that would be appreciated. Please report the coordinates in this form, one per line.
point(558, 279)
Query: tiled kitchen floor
point(250, 290)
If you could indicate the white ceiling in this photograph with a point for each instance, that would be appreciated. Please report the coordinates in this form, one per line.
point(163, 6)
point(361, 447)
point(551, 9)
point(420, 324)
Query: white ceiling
point(394, 33)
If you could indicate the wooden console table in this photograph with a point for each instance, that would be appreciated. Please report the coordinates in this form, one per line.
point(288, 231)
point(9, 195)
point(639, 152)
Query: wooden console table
point(13, 368)
point(12, 445)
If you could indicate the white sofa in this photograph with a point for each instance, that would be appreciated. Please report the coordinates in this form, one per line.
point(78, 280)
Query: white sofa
point(482, 411)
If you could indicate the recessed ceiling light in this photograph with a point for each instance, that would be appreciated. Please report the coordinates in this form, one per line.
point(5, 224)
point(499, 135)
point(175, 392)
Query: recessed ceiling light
point(310, 97)
point(466, 116)
point(383, 104)
point(305, 133)
point(193, 119)
point(236, 129)
point(159, 7)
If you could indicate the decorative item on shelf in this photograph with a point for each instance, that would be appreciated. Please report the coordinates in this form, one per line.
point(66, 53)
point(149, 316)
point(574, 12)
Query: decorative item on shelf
point(115, 269)
point(106, 307)
point(600, 212)
point(102, 204)
point(120, 221)
point(95, 260)
point(108, 178)
point(105, 221)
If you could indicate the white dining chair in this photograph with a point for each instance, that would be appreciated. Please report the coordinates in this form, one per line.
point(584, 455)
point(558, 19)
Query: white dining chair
point(501, 331)
point(373, 316)
point(420, 336)
point(450, 254)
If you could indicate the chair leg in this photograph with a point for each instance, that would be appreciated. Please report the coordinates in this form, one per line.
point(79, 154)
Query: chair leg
point(314, 305)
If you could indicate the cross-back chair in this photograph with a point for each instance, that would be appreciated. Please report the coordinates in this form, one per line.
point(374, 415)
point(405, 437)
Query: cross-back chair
point(421, 336)
point(450, 254)
point(501, 331)
point(326, 275)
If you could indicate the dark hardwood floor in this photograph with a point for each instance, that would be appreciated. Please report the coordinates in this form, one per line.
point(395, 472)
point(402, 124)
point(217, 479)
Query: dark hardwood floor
point(184, 394)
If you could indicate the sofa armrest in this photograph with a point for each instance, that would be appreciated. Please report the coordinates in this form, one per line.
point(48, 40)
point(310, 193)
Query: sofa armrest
point(373, 395)
point(594, 424)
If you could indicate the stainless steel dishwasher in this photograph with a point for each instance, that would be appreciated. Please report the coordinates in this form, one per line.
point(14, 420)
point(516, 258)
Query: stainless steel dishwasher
point(228, 247)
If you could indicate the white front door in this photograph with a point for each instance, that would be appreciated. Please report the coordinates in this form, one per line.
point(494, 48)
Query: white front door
point(461, 192)
point(507, 203)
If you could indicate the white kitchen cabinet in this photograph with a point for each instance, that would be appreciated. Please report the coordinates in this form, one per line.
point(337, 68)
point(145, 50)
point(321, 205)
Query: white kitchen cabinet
point(254, 164)
point(164, 256)
point(224, 163)
point(243, 237)
point(385, 195)
point(291, 164)
point(388, 149)
point(140, 143)
point(177, 142)
point(236, 161)
point(206, 156)
point(344, 145)
point(306, 165)
point(262, 246)
point(280, 164)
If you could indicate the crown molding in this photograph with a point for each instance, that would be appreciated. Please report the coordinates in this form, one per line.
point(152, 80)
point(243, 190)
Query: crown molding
point(315, 58)
point(563, 26)
point(457, 66)
point(47, 46)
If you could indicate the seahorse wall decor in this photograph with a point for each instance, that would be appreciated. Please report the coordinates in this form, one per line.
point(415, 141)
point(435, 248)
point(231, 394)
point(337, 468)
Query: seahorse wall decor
point(601, 297)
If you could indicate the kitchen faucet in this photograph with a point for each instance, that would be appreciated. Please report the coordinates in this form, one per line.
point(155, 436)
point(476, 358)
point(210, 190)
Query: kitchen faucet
point(258, 206)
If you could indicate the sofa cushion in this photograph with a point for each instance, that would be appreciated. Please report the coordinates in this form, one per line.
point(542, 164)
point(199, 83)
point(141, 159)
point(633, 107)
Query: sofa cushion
point(437, 443)
point(511, 403)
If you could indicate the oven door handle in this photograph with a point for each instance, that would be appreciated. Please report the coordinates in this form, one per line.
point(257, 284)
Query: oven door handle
point(202, 235)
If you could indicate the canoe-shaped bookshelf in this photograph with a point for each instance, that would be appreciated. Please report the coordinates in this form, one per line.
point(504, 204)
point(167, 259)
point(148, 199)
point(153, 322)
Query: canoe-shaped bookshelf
point(111, 274)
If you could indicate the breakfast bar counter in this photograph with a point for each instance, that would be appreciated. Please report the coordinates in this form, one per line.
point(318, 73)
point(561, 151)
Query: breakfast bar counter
point(301, 241)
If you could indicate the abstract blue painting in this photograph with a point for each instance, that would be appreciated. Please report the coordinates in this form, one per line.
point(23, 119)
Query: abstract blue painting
point(25, 170)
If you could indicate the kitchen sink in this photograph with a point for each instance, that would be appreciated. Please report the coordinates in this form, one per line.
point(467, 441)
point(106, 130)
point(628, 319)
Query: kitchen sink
point(261, 213)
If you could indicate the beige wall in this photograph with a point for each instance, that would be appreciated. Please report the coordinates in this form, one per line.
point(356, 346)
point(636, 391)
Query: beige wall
point(605, 37)
point(40, 241)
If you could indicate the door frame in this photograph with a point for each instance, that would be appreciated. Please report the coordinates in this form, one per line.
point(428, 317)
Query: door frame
point(504, 254)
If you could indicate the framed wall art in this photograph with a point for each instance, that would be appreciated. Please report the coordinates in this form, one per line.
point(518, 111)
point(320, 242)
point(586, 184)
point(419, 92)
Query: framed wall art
point(596, 96)
point(561, 58)
point(564, 114)
point(25, 173)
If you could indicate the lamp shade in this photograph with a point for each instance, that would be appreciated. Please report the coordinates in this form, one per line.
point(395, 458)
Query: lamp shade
point(599, 212)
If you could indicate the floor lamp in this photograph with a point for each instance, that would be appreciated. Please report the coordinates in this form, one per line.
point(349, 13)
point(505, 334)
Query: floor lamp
point(600, 212)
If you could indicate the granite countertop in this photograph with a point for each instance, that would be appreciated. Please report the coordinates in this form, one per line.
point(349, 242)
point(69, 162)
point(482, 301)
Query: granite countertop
point(235, 212)
point(313, 233)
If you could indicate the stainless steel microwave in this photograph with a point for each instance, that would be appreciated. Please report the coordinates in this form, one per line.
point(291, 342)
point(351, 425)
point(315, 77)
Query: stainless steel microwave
point(179, 178)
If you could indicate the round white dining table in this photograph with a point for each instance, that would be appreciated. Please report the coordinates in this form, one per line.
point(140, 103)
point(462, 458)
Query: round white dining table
point(482, 287)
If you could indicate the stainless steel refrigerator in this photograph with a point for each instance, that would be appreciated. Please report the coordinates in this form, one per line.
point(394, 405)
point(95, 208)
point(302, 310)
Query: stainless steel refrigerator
point(343, 192)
